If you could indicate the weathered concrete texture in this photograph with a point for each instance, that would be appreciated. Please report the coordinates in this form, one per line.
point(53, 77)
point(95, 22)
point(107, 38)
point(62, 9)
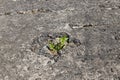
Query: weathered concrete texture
point(96, 23)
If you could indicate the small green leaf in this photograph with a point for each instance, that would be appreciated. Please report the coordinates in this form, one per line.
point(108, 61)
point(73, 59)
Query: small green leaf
point(59, 45)
point(51, 46)
point(63, 40)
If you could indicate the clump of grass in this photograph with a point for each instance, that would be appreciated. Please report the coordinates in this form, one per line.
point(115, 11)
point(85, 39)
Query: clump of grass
point(58, 44)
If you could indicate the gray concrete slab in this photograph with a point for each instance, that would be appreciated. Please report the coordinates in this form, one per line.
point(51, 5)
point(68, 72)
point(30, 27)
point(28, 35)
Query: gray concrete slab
point(96, 23)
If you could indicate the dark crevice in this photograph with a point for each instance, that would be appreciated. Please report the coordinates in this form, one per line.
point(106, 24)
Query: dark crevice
point(32, 11)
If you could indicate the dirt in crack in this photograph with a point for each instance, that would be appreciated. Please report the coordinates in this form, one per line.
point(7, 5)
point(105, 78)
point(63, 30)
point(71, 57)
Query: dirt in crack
point(32, 11)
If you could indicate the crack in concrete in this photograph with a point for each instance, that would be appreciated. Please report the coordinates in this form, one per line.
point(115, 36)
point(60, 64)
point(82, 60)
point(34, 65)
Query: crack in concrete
point(32, 11)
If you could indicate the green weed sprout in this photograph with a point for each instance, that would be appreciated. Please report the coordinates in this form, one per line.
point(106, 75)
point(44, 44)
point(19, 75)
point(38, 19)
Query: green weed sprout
point(56, 47)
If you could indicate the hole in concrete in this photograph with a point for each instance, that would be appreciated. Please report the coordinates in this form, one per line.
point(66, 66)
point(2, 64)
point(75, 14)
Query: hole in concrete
point(40, 44)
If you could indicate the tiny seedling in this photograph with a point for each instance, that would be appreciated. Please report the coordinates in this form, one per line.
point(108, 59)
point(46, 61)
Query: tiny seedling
point(58, 44)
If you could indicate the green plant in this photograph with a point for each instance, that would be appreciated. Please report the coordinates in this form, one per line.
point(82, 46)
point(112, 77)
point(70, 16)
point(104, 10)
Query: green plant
point(60, 43)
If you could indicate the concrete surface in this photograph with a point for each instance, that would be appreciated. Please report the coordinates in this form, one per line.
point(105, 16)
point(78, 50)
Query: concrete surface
point(96, 23)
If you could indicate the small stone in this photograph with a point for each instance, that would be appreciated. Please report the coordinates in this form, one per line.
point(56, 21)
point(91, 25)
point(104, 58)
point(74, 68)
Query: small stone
point(76, 42)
